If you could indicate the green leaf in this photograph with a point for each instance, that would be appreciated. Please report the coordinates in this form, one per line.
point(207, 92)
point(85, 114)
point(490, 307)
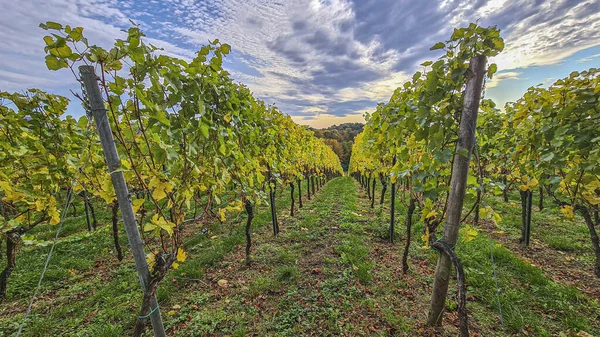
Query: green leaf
point(499, 44)
point(492, 70)
point(222, 149)
point(204, 130)
point(63, 51)
point(161, 117)
point(437, 46)
point(458, 33)
point(226, 49)
point(48, 39)
point(53, 63)
point(53, 25)
point(547, 157)
point(134, 42)
point(77, 33)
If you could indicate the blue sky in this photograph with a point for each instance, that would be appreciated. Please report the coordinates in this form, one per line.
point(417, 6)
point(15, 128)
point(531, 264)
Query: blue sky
point(321, 61)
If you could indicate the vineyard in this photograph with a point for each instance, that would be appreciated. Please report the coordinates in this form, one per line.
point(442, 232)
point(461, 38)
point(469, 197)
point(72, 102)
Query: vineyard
point(182, 205)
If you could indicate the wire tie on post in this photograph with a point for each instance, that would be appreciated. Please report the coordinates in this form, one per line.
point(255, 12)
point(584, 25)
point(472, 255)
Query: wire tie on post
point(148, 315)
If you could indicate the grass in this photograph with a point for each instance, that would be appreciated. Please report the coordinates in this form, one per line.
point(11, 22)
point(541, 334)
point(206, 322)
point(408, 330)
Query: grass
point(85, 288)
point(330, 272)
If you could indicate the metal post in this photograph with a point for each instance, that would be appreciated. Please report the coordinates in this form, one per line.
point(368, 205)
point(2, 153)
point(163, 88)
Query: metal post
point(96, 103)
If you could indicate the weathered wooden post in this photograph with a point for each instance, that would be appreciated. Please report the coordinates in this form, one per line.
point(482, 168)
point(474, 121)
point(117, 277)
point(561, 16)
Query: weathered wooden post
point(393, 206)
point(96, 103)
point(458, 185)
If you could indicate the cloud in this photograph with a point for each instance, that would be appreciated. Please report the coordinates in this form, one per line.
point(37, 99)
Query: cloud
point(325, 120)
point(315, 59)
point(545, 33)
point(509, 75)
point(22, 49)
point(588, 58)
point(309, 47)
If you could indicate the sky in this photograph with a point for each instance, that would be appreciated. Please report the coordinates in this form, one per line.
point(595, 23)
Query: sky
point(323, 62)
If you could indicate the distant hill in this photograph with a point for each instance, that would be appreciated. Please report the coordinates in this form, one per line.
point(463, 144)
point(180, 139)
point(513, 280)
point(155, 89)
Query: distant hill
point(340, 139)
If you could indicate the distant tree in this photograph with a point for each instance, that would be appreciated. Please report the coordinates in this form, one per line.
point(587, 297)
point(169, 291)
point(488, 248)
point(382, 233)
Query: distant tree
point(340, 138)
point(335, 146)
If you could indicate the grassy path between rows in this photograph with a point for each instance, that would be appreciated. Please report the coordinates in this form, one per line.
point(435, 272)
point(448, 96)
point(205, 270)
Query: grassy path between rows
point(330, 272)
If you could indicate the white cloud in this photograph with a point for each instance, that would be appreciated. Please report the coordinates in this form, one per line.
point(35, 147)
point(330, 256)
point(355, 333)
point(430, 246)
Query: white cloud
point(509, 75)
point(22, 49)
point(544, 39)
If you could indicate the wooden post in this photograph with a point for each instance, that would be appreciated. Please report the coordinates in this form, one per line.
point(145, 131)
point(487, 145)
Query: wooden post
point(300, 193)
point(383, 188)
point(292, 196)
point(90, 83)
point(368, 179)
point(373, 192)
point(528, 227)
point(393, 206)
point(458, 185)
point(250, 212)
point(87, 215)
point(273, 210)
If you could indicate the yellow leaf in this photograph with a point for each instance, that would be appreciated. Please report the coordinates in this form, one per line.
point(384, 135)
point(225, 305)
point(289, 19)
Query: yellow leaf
point(483, 212)
point(54, 216)
point(159, 222)
point(431, 214)
point(425, 238)
point(469, 233)
point(137, 204)
point(567, 211)
point(222, 214)
point(14, 196)
point(175, 265)
point(150, 260)
point(181, 255)
point(5, 185)
point(107, 191)
point(149, 227)
point(524, 187)
point(533, 183)
point(497, 218)
point(172, 312)
point(160, 190)
point(39, 205)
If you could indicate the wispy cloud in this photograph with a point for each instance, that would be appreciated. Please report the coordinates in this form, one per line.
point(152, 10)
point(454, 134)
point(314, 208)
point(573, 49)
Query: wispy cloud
point(588, 58)
point(509, 75)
